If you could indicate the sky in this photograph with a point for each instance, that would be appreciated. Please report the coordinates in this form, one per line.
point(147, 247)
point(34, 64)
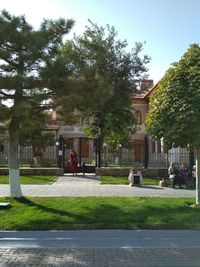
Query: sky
point(166, 27)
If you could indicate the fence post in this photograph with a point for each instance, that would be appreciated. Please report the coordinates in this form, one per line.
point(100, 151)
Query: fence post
point(146, 152)
point(60, 152)
point(191, 159)
point(80, 151)
point(98, 152)
point(120, 155)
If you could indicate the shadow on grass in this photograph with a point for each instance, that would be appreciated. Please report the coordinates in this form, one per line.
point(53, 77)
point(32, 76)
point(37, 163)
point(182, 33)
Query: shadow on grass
point(116, 213)
point(28, 202)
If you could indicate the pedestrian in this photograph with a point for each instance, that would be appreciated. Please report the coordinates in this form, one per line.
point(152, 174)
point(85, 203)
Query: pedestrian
point(185, 174)
point(173, 172)
point(74, 162)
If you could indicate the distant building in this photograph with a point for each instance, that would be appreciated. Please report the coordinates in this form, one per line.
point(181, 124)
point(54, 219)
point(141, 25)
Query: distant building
point(142, 149)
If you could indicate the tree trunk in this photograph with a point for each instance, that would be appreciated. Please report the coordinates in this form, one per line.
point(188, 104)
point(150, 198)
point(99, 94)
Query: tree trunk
point(197, 175)
point(15, 188)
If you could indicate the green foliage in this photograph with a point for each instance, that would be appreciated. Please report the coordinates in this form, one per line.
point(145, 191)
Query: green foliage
point(26, 90)
point(91, 131)
point(175, 109)
point(109, 76)
point(33, 132)
point(99, 213)
point(25, 56)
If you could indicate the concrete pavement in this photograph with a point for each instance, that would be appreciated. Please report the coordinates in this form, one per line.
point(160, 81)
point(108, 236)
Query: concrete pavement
point(101, 239)
point(101, 248)
point(89, 185)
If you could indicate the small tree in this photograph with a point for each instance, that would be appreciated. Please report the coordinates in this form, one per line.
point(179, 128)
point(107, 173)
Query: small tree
point(175, 107)
point(25, 85)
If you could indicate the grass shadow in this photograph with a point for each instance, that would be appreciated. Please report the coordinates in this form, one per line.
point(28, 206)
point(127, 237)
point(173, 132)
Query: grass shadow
point(101, 213)
point(29, 202)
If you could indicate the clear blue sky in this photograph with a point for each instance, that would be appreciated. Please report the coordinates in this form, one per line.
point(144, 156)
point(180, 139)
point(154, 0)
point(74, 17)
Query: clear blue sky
point(167, 26)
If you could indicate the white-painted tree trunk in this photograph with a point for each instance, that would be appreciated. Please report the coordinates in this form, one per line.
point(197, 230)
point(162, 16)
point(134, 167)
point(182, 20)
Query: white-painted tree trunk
point(15, 188)
point(197, 174)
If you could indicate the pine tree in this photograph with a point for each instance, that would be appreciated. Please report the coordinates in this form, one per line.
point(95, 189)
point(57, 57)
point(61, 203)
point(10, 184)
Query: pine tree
point(25, 86)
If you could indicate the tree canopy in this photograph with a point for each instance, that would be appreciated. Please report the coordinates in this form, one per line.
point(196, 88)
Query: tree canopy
point(105, 64)
point(175, 108)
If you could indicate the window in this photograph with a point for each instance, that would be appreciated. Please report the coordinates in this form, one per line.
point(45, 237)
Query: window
point(138, 116)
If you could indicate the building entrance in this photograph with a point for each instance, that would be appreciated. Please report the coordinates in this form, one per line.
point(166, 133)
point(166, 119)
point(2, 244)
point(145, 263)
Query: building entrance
point(86, 151)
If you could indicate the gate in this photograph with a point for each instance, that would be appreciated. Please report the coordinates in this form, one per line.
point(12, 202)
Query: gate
point(86, 151)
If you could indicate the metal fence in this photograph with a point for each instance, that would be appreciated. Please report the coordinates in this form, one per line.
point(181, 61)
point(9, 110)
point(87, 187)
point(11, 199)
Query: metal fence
point(45, 156)
point(135, 153)
point(143, 154)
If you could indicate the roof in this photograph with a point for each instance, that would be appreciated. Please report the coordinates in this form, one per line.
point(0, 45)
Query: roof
point(145, 94)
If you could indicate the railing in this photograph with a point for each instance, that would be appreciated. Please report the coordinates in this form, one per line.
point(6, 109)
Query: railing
point(136, 153)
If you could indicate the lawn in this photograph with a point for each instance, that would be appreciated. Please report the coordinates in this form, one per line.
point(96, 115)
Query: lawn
point(124, 180)
point(31, 179)
point(99, 213)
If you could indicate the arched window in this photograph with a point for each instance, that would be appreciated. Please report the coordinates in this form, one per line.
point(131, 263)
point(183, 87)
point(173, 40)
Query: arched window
point(138, 116)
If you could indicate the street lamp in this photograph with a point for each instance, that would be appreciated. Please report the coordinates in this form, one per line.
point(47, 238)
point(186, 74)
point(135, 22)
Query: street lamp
point(59, 145)
point(120, 155)
point(104, 154)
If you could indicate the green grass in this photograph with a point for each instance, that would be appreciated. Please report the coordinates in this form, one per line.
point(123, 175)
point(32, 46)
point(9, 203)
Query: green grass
point(99, 213)
point(31, 179)
point(124, 180)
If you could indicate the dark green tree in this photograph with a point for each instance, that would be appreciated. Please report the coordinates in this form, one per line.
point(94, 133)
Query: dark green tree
point(25, 87)
point(175, 106)
point(111, 75)
point(33, 132)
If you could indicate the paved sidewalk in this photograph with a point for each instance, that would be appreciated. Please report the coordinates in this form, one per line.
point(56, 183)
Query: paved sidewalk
point(90, 186)
point(101, 248)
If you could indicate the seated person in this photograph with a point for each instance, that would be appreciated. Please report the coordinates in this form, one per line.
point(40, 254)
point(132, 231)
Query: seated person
point(185, 174)
point(194, 172)
point(194, 176)
point(173, 172)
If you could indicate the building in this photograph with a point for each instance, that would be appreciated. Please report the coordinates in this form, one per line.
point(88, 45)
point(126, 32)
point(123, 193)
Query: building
point(142, 150)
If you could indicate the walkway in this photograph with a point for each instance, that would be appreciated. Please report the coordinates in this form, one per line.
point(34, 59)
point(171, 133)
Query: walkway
point(101, 248)
point(89, 185)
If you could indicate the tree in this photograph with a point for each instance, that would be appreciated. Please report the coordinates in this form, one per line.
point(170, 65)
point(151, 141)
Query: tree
point(111, 75)
point(175, 109)
point(25, 87)
point(34, 133)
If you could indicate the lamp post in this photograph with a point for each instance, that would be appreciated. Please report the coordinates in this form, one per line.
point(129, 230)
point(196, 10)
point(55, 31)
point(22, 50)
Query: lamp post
point(59, 144)
point(146, 152)
point(120, 155)
point(104, 154)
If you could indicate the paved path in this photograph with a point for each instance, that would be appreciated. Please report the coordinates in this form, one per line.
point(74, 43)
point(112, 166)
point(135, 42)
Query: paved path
point(90, 186)
point(101, 257)
point(101, 248)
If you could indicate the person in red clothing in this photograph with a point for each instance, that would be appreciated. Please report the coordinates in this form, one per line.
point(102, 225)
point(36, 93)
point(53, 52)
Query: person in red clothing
point(73, 162)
